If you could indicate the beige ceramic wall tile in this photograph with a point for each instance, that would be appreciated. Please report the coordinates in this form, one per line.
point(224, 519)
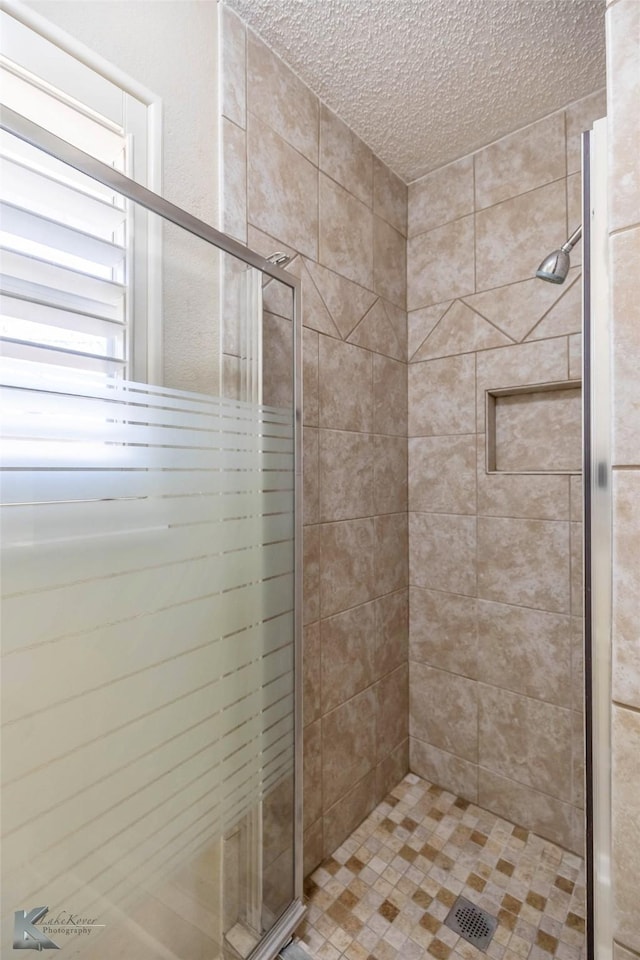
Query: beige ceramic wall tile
point(312, 788)
point(442, 552)
point(392, 631)
point(524, 562)
point(626, 826)
point(520, 162)
point(564, 317)
point(518, 307)
point(444, 631)
point(389, 262)
point(577, 664)
point(391, 770)
point(442, 398)
point(311, 672)
point(311, 573)
point(577, 503)
point(442, 474)
point(575, 356)
point(441, 196)
point(625, 304)
point(577, 566)
point(521, 804)
point(276, 170)
point(346, 302)
point(314, 311)
point(392, 719)
point(398, 320)
point(578, 832)
point(390, 474)
point(537, 497)
point(543, 361)
point(525, 651)
point(233, 73)
point(440, 264)
point(346, 475)
point(281, 99)
point(626, 587)
point(310, 349)
point(389, 396)
point(313, 847)
point(421, 323)
point(346, 234)
point(450, 772)
point(344, 157)
point(391, 559)
point(277, 352)
point(578, 759)
point(346, 564)
point(539, 431)
point(348, 813)
point(234, 173)
point(461, 330)
point(277, 297)
point(346, 392)
point(526, 740)
point(389, 196)
point(348, 745)
point(574, 214)
point(580, 116)
point(348, 654)
point(311, 475)
point(265, 244)
point(623, 92)
point(374, 332)
point(444, 711)
point(513, 236)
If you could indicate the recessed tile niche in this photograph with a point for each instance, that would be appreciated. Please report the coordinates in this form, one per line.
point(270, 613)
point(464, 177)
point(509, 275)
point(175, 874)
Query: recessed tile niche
point(535, 429)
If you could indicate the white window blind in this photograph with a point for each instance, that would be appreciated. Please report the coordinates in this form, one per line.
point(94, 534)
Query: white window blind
point(69, 271)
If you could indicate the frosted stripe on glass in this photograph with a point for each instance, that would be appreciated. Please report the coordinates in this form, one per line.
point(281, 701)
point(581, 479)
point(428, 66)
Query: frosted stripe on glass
point(147, 627)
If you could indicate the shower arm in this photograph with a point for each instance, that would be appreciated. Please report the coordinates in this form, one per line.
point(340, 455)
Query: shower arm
point(573, 239)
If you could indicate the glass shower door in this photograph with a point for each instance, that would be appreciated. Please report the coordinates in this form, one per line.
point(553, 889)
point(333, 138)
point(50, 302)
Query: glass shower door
point(150, 610)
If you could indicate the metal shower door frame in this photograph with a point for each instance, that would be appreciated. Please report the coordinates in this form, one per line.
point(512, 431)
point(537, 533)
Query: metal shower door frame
point(598, 511)
point(19, 126)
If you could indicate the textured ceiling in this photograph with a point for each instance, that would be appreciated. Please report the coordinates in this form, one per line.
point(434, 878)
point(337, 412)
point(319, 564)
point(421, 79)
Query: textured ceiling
point(424, 82)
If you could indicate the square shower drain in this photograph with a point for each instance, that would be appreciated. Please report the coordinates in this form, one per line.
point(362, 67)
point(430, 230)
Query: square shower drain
point(475, 925)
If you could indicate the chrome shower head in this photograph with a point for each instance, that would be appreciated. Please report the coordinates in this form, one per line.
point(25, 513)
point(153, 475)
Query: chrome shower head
point(555, 266)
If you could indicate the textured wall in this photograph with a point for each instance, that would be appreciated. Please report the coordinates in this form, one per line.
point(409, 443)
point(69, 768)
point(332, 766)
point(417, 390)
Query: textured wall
point(296, 179)
point(495, 559)
point(623, 96)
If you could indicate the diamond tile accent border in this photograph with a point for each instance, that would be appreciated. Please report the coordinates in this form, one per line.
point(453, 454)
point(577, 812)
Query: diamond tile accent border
point(385, 893)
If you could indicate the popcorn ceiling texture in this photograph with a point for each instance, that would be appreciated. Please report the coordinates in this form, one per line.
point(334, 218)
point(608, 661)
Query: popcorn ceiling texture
point(424, 82)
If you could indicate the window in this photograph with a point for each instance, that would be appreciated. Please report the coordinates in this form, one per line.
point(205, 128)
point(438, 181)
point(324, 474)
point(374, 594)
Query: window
point(74, 268)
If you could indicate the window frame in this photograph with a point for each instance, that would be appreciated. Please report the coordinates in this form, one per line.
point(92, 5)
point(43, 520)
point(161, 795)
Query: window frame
point(141, 118)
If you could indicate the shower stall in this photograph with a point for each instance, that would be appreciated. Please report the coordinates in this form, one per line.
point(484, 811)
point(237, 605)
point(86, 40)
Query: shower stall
point(150, 575)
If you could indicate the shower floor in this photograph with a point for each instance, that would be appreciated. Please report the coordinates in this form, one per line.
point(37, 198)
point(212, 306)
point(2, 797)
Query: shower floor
point(385, 893)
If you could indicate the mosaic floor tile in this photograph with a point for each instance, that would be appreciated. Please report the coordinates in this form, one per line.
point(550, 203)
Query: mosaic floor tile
point(386, 892)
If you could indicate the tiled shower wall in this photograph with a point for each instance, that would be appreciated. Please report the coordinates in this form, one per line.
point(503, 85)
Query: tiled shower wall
point(297, 179)
point(623, 95)
point(495, 558)
point(496, 705)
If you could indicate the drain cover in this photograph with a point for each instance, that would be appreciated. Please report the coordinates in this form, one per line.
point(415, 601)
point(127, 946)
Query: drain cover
point(475, 925)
